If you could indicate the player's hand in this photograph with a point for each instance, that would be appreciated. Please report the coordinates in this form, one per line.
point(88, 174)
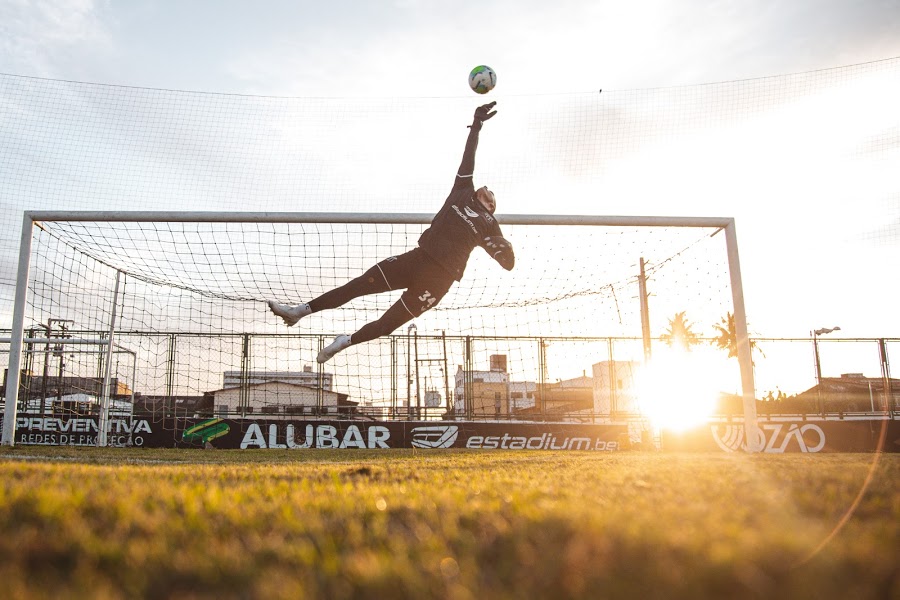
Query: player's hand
point(500, 250)
point(496, 242)
point(485, 112)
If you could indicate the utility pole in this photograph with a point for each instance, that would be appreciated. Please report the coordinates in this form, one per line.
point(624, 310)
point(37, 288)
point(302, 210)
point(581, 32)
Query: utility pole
point(59, 350)
point(409, 377)
point(645, 311)
point(886, 378)
point(418, 388)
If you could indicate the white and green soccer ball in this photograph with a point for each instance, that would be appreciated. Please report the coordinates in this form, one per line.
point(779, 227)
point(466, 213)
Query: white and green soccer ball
point(482, 79)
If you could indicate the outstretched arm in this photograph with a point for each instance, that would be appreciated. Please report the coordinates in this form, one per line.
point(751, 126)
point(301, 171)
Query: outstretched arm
point(482, 114)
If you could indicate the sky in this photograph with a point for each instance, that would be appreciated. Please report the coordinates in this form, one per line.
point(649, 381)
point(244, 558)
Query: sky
point(350, 48)
point(423, 49)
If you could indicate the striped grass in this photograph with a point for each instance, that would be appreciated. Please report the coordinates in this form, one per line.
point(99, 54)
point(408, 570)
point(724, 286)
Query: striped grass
point(104, 523)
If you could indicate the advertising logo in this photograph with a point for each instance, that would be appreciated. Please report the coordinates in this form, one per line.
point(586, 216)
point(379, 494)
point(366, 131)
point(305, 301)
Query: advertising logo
point(300, 436)
point(55, 431)
point(545, 441)
point(465, 218)
point(731, 440)
point(434, 436)
point(205, 431)
point(808, 437)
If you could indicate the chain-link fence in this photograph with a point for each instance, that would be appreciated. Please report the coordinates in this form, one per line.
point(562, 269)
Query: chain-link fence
point(412, 376)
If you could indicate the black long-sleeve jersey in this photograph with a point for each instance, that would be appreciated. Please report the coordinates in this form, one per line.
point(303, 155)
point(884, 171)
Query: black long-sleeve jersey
point(462, 223)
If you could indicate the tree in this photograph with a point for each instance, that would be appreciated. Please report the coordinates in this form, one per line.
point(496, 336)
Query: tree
point(726, 337)
point(680, 332)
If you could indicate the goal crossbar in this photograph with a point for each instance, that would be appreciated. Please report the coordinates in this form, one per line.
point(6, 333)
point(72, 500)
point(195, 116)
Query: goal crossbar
point(368, 218)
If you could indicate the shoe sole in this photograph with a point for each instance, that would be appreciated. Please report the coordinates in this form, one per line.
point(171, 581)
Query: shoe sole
point(324, 355)
point(289, 321)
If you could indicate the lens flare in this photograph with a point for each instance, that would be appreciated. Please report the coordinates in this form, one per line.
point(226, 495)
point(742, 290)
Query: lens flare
point(679, 389)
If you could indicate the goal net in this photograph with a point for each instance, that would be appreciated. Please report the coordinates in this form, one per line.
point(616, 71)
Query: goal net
point(190, 304)
point(182, 296)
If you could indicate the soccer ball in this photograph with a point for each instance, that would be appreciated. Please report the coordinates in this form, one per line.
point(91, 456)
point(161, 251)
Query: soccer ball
point(482, 79)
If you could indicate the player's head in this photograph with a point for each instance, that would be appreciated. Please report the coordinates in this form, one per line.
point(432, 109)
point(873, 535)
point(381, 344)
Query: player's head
point(486, 198)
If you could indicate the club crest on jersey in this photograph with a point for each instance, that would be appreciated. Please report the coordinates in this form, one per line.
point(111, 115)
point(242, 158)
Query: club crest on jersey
point(471, 212)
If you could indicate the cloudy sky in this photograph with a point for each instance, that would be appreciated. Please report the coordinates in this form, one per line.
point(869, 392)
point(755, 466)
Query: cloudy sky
point(297, 47)
point(423, 49)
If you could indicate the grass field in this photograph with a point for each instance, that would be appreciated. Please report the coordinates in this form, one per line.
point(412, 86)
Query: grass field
point(446, 524)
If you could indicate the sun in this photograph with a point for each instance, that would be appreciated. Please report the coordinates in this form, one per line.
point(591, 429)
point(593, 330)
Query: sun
point(679, 389)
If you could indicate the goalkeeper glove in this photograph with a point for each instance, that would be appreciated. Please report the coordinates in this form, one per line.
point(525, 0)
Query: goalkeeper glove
point(500, 250)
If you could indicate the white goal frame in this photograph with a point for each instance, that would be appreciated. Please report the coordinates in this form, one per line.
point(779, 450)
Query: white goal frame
point(726, 224)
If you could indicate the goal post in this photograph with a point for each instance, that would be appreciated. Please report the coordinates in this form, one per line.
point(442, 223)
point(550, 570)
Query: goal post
point(208, 274)
point(17, 333)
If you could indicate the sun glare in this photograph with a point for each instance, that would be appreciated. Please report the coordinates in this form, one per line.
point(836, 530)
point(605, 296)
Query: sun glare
point(679, 389)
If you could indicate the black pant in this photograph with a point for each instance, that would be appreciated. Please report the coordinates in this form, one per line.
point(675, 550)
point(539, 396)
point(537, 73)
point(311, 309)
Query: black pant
point(425, 281)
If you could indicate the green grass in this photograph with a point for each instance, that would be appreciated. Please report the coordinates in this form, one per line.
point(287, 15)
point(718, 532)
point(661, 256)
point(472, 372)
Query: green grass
point(97, 523)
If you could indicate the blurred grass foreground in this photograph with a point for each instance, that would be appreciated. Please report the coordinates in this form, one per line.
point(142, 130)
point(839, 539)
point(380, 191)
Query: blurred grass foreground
point(100, 523)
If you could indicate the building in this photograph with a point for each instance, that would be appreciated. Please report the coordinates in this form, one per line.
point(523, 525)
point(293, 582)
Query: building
point(285, 393)
point(561, 399)
point(521, 395)
point(173, 406)
point(306, 377)
point(492, 394)
point(489, 392)
point(849, 393)
point(280, 398)
point(36, 386)
point(69, 395)
point(73, 405)
point(568, 396)
point(615, 387)
point(367, 409)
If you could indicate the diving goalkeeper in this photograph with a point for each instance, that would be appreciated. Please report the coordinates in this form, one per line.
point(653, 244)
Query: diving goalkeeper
point(426, 272)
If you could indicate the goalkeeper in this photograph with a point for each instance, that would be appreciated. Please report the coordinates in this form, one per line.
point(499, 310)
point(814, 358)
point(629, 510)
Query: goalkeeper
point(427, 271)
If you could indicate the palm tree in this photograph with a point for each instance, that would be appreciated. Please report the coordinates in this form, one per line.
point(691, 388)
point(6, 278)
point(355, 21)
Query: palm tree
point(680, 332)
point(726, 337)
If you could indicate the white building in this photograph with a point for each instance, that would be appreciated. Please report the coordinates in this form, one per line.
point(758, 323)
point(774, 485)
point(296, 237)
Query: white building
point(306, 377)
point(521, 394)
point(485, 383)
point(493, 391)
point(615, 389)
point(370, 409)
point(272, 398)
point(79, 403)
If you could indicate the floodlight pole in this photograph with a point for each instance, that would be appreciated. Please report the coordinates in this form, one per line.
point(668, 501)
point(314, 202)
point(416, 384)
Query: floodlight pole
point(815, 337)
